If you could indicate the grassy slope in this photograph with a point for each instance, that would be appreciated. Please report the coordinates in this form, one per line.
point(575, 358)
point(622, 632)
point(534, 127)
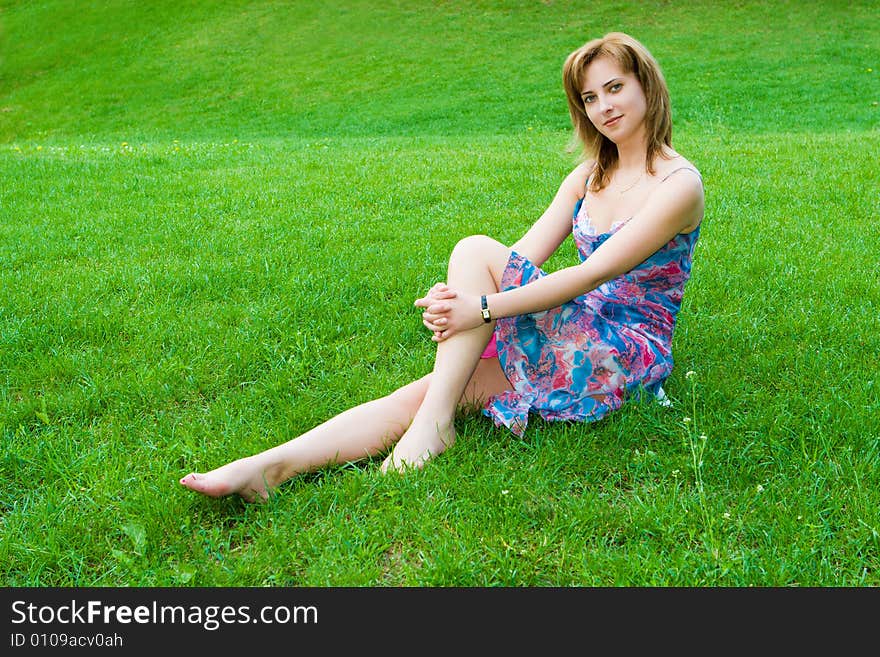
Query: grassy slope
point(188, 70)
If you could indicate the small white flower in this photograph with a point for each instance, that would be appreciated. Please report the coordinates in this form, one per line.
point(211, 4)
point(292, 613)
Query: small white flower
point(689, 374)
point(726, 515)
point(704, 437)
point(759, 488)
point(505, 492)
point(686, 420)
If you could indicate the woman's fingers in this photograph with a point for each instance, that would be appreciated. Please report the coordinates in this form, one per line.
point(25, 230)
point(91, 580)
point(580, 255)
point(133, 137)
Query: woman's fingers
point(433, 325)
point(438, 336)
point(439, 292)
point(445, 293)
point(439, 308)
point(436, 305)
point(424, 302)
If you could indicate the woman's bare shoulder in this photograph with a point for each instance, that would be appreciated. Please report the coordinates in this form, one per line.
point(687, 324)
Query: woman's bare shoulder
point(585, 168)
point(684, 189)
point(577, 179)
point(666, 166)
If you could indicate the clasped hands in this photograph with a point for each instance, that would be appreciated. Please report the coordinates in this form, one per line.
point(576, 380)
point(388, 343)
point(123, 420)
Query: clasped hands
point(449, 311)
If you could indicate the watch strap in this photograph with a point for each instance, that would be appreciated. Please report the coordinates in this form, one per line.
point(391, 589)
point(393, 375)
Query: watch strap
point(484, 310)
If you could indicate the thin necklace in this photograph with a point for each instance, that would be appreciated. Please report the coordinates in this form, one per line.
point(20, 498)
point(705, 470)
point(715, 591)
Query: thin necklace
point(635, 182)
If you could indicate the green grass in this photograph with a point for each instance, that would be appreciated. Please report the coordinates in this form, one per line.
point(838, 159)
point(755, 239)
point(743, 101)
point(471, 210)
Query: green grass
point(214, 220)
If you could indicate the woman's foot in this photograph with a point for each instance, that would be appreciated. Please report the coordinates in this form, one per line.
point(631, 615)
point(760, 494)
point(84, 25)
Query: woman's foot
point(246, 477)
point(418, 445)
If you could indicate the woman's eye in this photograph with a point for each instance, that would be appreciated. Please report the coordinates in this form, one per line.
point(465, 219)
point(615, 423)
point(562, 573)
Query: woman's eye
point(589, 99)
point(616, 86)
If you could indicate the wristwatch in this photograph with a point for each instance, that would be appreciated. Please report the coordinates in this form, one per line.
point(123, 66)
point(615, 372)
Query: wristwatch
point(484, 310)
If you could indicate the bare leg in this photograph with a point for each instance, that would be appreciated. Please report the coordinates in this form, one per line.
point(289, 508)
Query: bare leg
point(372, 428)
point(360, 432)
point(475, 266)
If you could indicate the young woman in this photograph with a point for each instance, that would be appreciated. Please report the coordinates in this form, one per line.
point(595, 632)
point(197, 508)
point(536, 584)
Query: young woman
point(513, 340)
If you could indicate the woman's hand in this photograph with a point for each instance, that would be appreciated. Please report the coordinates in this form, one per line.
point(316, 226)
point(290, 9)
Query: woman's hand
point(439, 292)
point(448, 311)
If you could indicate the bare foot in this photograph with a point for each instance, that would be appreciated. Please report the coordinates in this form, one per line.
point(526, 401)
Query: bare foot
point(245, 477)
point(418, 445)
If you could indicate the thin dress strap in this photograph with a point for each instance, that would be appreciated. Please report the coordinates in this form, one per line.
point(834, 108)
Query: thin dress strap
point(679, 169)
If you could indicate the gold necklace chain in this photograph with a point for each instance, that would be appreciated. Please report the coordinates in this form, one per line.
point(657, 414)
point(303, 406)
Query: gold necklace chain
point(634, 183)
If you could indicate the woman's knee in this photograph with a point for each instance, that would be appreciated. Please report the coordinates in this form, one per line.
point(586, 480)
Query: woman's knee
point(483, 250)
point(475, 245)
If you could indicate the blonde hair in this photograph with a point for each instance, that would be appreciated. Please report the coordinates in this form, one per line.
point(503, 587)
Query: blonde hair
point(633, 58)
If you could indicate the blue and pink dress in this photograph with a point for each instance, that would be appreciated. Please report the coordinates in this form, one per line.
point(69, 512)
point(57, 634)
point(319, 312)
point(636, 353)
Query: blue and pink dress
point(582, 360)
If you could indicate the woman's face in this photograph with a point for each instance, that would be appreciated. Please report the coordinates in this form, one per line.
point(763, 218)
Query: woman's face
point(614, 101)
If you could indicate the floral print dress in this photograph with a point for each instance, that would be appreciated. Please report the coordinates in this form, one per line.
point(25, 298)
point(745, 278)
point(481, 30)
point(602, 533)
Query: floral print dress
point(581, 360)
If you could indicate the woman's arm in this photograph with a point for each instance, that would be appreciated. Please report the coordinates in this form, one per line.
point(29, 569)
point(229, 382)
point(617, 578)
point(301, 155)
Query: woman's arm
point(671, 208)
point(543, 237)
point(552, 227)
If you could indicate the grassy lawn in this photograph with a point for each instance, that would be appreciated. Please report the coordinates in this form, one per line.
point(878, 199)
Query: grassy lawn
point(214, 219)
